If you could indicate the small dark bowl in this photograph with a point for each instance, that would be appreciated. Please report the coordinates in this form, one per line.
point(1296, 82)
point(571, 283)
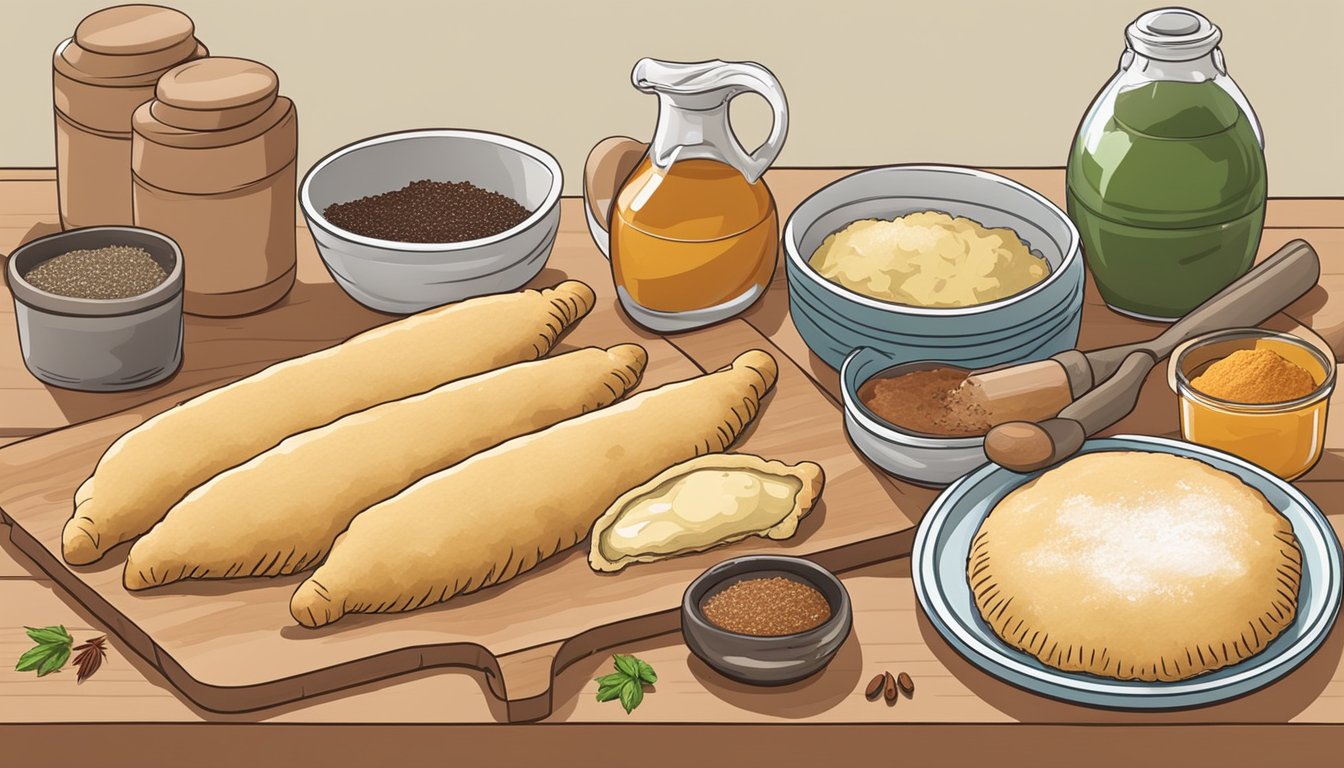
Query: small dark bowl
point(778, 660)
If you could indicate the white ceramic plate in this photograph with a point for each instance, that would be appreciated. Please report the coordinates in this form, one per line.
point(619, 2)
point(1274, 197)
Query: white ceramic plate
point(942, 546)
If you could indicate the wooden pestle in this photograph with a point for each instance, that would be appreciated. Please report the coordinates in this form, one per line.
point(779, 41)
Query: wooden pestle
point(1026, 446)
point(1039, 390)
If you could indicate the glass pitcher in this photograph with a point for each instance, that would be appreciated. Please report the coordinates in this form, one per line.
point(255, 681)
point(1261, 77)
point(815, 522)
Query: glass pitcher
point(1166, 178)
point(693, 230)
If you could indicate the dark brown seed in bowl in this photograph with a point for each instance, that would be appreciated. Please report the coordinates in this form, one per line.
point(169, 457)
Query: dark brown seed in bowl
point(429, 211)
point(875, 686)
point(890, 689)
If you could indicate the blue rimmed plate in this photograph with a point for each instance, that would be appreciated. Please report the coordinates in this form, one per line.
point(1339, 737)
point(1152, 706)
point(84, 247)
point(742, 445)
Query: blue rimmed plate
point(943, 544)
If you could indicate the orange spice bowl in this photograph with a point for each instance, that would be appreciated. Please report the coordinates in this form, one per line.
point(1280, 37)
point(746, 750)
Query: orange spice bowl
point(1285, 438)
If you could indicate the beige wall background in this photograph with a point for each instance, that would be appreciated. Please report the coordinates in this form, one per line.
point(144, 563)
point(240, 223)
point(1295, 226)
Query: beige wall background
point(869, 81)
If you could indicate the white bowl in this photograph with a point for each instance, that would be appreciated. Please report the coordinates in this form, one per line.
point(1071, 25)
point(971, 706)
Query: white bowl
point(928, 460)
point(401, 278)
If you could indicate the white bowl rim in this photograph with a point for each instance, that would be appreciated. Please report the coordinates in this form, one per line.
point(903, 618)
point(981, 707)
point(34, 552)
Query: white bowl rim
point(889, 433)
point(1071, 254)
point(500, 139)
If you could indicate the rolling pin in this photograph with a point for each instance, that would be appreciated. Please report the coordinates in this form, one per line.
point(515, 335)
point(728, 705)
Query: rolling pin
point(1026, 446)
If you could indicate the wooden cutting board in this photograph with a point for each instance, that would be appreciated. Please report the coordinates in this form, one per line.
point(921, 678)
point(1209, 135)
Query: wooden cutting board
point(231, 646)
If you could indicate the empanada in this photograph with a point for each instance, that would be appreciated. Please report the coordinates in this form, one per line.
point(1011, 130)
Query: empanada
point(503, 511)
point(704, 503)
point(150, 468)
point(279, 512)
point(1137, 566)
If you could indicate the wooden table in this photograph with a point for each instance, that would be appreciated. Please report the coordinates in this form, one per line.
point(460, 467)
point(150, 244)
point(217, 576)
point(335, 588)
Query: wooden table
point(957, 714)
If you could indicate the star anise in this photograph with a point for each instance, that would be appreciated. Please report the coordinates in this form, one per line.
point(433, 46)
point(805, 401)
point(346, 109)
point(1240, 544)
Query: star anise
point(90, 657)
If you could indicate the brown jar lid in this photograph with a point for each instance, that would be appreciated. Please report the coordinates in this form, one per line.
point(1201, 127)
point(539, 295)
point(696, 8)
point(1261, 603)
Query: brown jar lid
point(132, 30)
point(127, 41)
point(214, 93)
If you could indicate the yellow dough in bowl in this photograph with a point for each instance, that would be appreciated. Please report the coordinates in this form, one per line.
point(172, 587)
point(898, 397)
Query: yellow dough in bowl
point(929, 259)
point(1136, 566)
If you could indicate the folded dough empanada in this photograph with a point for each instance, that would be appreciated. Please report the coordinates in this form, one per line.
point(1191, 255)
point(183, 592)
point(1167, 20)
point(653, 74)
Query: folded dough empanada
point(704, 503)
point(150, 468)
point(279, 513)
point(503, 511)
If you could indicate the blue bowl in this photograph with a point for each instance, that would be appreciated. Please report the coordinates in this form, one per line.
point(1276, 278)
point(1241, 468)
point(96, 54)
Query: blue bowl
point(1031, 325)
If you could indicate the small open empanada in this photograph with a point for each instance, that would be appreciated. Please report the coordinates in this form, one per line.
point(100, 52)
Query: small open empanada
point(703, 503)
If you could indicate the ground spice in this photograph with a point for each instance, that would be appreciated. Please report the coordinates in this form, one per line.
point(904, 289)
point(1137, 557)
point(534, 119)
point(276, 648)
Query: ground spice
point(937, 401)
point(111, 272)
point(1255, 376)
point(429, 212)
point(767, 607)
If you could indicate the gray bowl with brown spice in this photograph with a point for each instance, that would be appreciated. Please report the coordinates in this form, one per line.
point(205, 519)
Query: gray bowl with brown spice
point(99, 309)
point(765, 659)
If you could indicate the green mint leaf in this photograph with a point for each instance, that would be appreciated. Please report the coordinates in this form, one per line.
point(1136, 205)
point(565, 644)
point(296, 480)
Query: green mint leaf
point(627, 665)
point(54, 662)
point(609, 692)
point(50, 653)
point(48, 635)
point(33, 658)
point(617, 679)
point(646, 672)
point(632, 693)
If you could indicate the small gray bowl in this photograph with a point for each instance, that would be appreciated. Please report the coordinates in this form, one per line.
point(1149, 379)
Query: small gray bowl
point(99, 345)
point(926, 460)
point(402, 278)
point(765, 660)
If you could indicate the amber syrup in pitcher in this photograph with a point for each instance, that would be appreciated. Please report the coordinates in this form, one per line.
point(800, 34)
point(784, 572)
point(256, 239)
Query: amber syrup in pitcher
point(698, 235)
point(694, 230)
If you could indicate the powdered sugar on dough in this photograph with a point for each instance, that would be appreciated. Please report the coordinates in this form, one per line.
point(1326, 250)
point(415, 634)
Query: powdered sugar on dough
point(1155, 545)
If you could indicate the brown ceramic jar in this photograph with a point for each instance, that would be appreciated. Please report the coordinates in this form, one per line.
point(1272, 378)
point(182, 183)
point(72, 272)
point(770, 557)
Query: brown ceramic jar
point(213, 163)
point(99, 76)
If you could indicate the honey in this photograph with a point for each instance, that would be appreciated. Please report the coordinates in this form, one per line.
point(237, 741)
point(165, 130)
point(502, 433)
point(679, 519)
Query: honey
point(696, 235)
point(693, 229)
point(1285, 438)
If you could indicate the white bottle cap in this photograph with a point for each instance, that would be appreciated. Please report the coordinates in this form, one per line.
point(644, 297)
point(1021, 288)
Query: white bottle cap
point(1173, 34)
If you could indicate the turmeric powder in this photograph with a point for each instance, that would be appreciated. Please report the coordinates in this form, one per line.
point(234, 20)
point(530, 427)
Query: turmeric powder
point(1255, 376)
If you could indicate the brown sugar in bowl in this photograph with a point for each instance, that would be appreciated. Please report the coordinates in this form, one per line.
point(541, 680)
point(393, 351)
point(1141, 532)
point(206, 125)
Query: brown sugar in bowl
point(770, 659)
point(923, 459)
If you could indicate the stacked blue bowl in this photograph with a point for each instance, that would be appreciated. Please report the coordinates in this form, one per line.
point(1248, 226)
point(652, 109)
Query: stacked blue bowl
point(1030, 325)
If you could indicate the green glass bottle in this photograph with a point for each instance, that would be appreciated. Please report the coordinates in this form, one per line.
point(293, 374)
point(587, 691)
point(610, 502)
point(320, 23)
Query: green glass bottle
point(1166, 178)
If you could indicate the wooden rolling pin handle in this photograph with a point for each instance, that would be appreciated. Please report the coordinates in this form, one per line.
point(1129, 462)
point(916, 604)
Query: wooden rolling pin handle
point(1114, 398)
point(1250, 300)
point(1025, 446)
point(1078, 369)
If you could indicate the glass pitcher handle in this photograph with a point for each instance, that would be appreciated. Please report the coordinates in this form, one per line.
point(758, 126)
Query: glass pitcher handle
point(755, 78)
point(708, 85)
